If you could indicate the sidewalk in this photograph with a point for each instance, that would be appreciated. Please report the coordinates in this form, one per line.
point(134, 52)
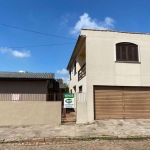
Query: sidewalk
point(104, 128)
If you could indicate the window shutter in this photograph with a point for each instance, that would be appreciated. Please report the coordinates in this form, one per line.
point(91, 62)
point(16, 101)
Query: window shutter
point(130, 53)
point(124, 57)
point(118, 54)
point(135, 53)
point(126, 52)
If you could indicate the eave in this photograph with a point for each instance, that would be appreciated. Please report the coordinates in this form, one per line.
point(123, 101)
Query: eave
point(80, 41)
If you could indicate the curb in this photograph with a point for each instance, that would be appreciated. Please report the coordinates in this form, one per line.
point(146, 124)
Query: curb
point(64, 139)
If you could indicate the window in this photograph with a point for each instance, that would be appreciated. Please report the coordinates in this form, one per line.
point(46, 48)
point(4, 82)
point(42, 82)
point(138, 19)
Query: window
point(75, 68)
point(127, 52)
point(80, 89)
point(70, 73)
point(74, 88)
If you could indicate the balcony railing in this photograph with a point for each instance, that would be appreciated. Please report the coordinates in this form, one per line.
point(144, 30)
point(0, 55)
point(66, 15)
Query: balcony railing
point(82, 72)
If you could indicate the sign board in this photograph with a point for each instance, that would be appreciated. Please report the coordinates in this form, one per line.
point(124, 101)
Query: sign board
point(15, 97)
point(68, 100)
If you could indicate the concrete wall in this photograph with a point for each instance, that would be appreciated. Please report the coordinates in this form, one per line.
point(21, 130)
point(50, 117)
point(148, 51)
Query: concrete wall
point(30, 113)
point(81, 113)
point(75, 82)
point(80, 61)
point(101, 65)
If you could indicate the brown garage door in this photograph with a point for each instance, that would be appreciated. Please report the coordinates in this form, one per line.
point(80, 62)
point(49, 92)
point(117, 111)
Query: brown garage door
point(121, 102)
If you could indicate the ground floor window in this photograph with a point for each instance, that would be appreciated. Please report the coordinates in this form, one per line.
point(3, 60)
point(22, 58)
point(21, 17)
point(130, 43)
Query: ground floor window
point(80, 89)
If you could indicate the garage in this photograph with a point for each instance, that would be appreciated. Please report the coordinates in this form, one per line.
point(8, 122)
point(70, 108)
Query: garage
point(117, 102)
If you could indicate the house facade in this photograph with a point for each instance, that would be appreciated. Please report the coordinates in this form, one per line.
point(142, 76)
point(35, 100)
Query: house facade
point(29, 86)
point(30, 98)
point(112, 68)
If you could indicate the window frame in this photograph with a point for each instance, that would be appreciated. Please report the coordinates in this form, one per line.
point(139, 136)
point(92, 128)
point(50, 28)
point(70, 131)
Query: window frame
point(128, 47)
point(80, 89)
point(75, 69)
point(70, 74)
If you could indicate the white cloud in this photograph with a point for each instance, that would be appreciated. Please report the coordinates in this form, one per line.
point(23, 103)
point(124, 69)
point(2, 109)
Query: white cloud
point(86, 22)
point(65, 79)
point(21, 71)
point(63, 71)
point(15, 53)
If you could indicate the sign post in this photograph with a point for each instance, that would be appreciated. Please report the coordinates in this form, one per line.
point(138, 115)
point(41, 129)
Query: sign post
point(68, 100)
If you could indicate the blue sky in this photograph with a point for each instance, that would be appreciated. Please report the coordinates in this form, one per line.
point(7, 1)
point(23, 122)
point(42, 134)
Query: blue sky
point(63, 18)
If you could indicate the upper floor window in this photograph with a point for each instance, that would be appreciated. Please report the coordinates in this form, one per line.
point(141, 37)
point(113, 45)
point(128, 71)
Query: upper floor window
point(75, 71)
point(126, 52)
point(70, 73)
point(80, 89)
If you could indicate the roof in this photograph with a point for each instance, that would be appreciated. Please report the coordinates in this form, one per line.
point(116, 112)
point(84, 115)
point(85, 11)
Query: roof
point(116, 31)
point(26, 75)
point(76, 50)
point(61, 84)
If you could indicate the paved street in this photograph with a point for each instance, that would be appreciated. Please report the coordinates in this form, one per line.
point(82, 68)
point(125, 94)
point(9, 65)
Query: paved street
point(82, 145)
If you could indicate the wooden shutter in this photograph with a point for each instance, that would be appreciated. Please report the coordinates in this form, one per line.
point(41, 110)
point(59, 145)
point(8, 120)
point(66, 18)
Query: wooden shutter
point(118, 53)
point(135, 53)
point(130, 53)
point(124, 54)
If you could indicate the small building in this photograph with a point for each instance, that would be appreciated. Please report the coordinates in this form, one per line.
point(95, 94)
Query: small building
point(112, 68)
point(29, 86)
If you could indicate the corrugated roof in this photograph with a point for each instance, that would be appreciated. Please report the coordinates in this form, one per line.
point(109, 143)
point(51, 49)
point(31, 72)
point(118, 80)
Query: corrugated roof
point(26, 75)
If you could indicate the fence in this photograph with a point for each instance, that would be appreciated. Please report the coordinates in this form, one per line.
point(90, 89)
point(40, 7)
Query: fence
point(22, 97)
point(39, 97)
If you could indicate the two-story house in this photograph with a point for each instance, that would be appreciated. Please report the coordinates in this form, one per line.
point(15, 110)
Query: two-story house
point(113, 69)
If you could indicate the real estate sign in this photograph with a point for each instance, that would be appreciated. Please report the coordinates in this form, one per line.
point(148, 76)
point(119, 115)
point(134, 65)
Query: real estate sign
point(68, 100)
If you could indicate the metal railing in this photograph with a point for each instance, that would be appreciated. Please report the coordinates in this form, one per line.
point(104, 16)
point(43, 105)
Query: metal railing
point(82, 72)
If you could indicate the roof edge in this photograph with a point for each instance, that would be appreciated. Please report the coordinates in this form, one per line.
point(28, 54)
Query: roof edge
point(115, 31)
point(75, 49)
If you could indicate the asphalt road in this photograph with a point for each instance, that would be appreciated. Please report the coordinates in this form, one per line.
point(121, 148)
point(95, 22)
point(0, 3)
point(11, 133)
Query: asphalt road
point(81, 145)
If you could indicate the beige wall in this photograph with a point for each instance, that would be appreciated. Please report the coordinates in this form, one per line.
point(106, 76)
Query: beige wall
point(30, 113)
point(74, 82)
point(30, 90)
point(81, 113)
point(101, 65)
point(80, 61)
point(23, 86)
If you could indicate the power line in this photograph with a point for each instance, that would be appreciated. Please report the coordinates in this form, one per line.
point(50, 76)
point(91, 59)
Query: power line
point(39, 45)
point(35, 31)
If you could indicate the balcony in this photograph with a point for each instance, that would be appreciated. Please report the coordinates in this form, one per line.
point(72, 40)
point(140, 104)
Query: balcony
point(82, 72)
